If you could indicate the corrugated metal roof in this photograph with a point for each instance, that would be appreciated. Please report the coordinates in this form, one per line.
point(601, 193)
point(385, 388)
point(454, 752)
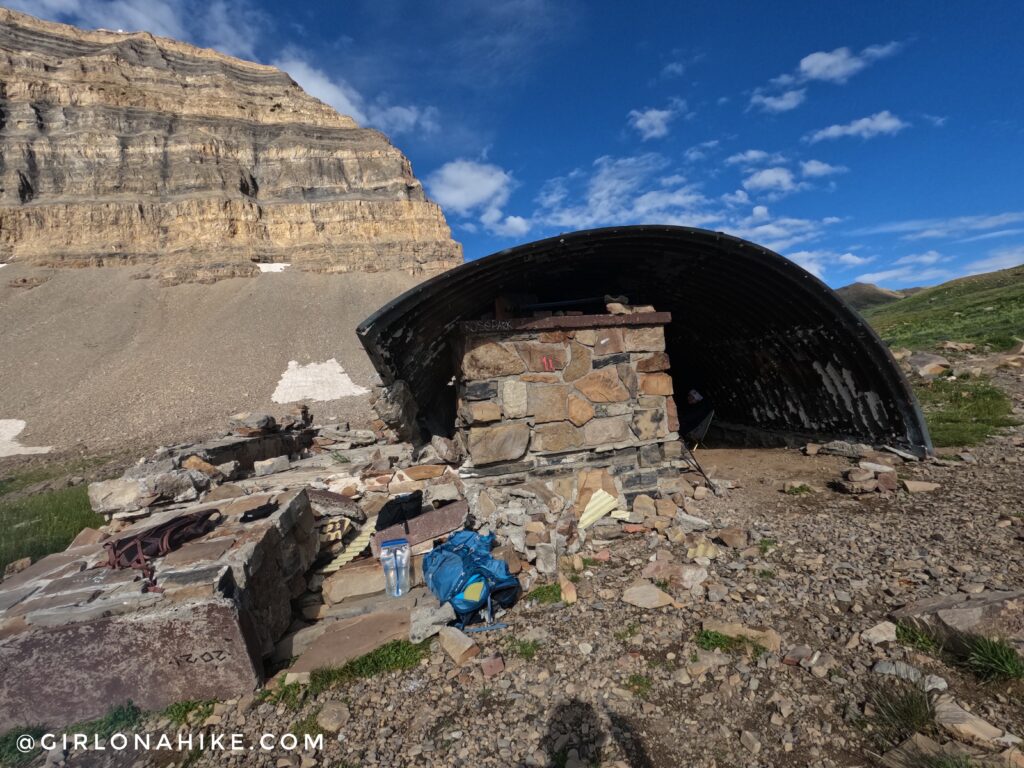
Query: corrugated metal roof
point(774, 347)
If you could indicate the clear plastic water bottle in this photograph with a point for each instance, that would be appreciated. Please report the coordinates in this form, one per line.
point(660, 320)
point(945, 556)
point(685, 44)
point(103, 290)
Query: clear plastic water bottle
point(394, 557)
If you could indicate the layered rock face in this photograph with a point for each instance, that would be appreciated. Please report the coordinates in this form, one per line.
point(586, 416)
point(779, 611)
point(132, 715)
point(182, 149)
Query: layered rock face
point(131, 149)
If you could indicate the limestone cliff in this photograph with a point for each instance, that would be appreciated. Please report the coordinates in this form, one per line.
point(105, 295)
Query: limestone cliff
point(133, 149)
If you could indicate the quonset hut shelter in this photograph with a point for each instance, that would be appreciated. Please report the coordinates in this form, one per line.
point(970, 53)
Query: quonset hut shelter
point(779, 354)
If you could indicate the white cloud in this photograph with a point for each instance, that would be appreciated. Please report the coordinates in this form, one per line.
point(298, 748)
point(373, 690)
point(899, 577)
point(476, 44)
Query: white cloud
point(928, 258)
point(673, 69)
point(783, 93)
point(338, 93)
point(993, 235)
point(784, 102)
point(700, 151)
point(230, 26)
point(470, 188)
point(956, 226)
point(905, 276)
point(816, 168)
point(654, 123)
point(878, 124)
point(818, 261)
point(768, 179)
point(1003, 258)
point(753, 157)
point(937, 120)
point(841, 64)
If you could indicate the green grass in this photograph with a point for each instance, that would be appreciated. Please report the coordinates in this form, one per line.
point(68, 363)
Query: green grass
point(547, 594)
point(963, 412)
point(34, 526)
point(993, 659)
point(898, 712)
point(291, 695)
point(524, 649)
point(119, 719)
point(10, 755)
point(799, 490)
point(12, 482)
point(984, 309)
point(122, 718)
point(767, 544)
point(661, 584)
point(766, 573)
point(919, 640)
point(396, 655)
point(590, 562)
point(180, 711)
point(710, 641)
point(308, 726)
point(640, 685)
point(628, 631)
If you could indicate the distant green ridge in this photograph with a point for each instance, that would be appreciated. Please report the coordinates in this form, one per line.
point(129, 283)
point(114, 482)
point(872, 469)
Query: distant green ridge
point(983, 309)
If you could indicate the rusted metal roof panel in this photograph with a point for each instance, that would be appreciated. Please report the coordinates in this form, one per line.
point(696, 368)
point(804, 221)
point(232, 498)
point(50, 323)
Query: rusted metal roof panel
point(776, 349)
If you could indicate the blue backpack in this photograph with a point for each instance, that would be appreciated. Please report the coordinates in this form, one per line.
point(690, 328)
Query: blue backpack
point(462, 572)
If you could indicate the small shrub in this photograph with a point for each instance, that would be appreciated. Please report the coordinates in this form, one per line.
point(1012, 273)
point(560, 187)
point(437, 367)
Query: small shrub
point(661, 584)
point(524, 649)
point(920, 640)
point(546, 595)
point(640, 685)
point(799, 490)
point(710, 641)
point(767, 544)
point(590, 562)
point(993, 659)
point(766, 573)
point(628, 631)
point(898, 712)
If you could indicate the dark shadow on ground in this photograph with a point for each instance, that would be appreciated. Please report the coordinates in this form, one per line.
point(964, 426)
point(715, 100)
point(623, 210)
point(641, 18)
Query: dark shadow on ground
point(575, 731)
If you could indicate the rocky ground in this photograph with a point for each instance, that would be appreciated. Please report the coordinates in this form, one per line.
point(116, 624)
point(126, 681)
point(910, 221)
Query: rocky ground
point(600, 681)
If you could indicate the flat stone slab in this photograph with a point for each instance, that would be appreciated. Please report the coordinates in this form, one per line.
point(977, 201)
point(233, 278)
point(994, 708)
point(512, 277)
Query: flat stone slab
point(349, 639)
point(75, 672)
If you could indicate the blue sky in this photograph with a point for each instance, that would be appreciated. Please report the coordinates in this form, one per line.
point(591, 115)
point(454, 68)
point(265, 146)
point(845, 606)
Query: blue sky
point(867, 141)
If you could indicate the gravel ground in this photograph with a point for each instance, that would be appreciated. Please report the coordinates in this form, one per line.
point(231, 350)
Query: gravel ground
point(612, 684)
point(137, 364)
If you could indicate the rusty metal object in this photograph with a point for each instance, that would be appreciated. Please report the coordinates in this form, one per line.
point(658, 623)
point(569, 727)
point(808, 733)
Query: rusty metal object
point(776, 350)
point(139, 550)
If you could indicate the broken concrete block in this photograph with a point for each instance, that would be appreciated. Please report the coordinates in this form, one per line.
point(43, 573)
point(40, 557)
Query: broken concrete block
point(427, 621)
point(459, 646)
point(271, 466)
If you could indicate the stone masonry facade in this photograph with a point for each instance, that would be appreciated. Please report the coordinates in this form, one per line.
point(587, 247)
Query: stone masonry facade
point(561, 392)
